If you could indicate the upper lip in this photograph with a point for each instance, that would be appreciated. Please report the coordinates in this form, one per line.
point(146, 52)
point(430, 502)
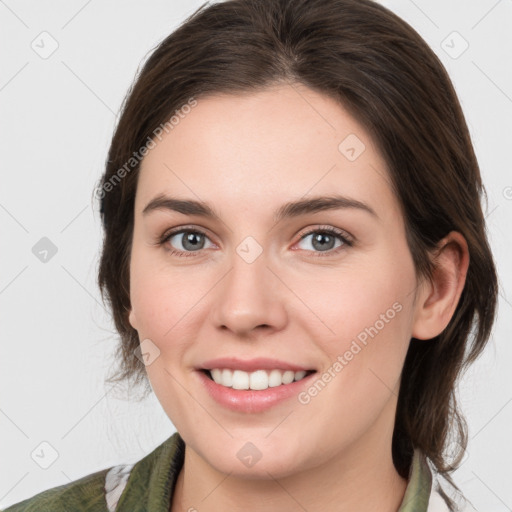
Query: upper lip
point(251, 365)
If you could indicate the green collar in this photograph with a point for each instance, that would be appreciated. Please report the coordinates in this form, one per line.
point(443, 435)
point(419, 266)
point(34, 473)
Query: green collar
point(152, 480)
point(418, 489)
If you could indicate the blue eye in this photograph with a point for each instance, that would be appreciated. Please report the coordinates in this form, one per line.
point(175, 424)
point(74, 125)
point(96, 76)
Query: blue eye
point(324, 240)
point(191, 240)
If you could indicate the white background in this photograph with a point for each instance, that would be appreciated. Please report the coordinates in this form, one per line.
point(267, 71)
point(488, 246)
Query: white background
point(57, 117)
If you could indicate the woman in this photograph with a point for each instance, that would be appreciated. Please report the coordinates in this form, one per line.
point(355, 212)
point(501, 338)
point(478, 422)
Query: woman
point(296, 261)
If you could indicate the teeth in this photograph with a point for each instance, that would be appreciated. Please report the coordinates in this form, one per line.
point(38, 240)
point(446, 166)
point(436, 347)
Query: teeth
point(216, 375)
point(227, 377)
point(275, 379)
point(240, 380)
point(258, 380)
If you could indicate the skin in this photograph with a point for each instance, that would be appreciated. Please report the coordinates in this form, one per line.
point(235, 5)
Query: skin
point(246, 155)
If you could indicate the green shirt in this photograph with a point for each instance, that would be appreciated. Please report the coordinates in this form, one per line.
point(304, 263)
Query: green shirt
point(148, 485)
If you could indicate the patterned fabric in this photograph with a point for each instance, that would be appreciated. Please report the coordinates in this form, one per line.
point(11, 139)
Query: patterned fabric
point(149, 484)
point(115, 482)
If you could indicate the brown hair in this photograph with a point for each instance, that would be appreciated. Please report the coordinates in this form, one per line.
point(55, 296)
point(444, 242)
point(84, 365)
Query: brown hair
point(382, 71)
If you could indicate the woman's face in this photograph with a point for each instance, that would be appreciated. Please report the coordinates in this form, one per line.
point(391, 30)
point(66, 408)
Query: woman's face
point(260, 293)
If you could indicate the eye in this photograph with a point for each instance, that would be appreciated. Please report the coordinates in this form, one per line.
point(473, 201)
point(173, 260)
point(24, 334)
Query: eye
point(185, 241)
point(325, 239)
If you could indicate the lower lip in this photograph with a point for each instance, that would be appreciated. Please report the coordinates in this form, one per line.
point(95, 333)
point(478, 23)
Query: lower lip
point(247, 400)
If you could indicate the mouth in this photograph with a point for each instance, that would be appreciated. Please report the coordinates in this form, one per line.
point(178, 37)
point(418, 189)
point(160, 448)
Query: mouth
point(258, 380)
point(253, 385)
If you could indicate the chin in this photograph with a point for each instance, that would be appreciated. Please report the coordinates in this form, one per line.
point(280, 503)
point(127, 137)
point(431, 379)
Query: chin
point(274, 467)
point(258, 459)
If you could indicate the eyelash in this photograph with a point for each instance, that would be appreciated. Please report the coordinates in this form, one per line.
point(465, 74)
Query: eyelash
point(341, 235)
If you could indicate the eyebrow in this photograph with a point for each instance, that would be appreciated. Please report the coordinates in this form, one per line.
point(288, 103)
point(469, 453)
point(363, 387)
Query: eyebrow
point(287, 210)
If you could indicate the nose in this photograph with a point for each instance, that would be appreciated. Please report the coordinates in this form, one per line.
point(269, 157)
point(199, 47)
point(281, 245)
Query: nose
point(249, 298)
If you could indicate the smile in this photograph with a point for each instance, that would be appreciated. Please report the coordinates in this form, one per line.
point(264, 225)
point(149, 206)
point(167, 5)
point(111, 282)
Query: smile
point(255, 385)
point(257, 380)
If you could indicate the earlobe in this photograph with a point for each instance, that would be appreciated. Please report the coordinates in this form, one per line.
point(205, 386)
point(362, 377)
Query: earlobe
point(132, 319)
point(438, 299)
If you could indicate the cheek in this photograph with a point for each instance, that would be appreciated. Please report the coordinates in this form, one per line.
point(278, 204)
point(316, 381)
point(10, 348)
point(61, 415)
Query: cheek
point(168, 303)
point(164, 309)
point(356, 302)
point(368, 310)
point(154, 297)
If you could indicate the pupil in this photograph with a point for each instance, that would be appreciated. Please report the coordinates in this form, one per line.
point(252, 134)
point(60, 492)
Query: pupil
point(323, 239)
point(192, 238)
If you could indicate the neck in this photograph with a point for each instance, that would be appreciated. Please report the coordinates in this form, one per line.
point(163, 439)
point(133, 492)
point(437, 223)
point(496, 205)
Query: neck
point(361, 478)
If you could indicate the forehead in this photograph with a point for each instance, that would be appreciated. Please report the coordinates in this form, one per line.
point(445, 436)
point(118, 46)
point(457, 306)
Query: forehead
point(287, 140)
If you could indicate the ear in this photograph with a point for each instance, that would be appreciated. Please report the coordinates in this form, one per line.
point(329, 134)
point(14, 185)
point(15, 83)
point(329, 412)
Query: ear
point(437, 299)
point(132, 318)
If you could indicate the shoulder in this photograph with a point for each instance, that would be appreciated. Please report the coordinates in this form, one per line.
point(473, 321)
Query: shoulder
point(86, 493)
point(101, 491)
